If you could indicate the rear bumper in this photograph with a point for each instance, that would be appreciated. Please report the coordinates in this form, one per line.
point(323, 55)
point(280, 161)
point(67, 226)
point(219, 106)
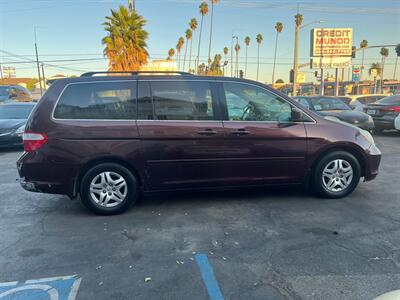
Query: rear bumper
point(373, 161)
point(41, 176)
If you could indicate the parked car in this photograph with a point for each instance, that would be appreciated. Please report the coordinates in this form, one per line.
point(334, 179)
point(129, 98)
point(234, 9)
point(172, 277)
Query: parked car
point(13, 117)
point(108, 138)
point(334, 107)
point(14, 93)
point(359, 102)
point(385, 113)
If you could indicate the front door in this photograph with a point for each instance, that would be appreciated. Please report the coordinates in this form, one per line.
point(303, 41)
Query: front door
point(263, 145)
point(181, 133)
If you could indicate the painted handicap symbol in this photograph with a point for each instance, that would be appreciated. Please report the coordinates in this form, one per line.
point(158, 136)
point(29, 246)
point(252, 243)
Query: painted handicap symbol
point(57, 288)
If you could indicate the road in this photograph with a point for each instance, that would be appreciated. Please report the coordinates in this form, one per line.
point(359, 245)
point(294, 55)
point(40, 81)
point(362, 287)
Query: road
point(264, 244)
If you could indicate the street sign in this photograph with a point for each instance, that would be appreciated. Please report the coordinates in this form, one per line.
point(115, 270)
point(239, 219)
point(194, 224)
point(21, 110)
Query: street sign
point(356, 73)
point(301, 77)
point(374, 72)
point(330, 62)
point(331, 42)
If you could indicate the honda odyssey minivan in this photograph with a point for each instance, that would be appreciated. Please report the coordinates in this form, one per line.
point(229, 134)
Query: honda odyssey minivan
point(107, 139)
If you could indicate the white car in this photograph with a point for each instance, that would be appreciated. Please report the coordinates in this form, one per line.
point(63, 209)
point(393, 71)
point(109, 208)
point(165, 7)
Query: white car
point(359, 102)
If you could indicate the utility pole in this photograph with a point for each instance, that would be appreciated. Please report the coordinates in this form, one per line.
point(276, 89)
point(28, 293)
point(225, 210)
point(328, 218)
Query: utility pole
point(237, 57)
point(37, 63)
point(131, 5)
point(337, 82)
point(1, 74)
point(43, 78)
point(296, 58)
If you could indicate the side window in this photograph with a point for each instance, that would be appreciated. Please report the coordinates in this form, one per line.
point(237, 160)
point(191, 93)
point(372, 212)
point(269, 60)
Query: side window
point(98, 100)
point(304, 102)
point(182, 100)
point(145, 102)
point(249, 103)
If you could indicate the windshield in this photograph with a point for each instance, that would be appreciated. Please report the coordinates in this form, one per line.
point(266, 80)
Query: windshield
point(395, 99)
point(15, 112)
point(3, 91)
point(321, 104)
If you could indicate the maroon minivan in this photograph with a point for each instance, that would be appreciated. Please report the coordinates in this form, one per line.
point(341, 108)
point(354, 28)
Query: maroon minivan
point(108, 138)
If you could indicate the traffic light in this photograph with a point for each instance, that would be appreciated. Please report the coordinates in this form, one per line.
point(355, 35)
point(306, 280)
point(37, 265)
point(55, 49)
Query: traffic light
point(291, 76)
point(241, 73)
point(315, 73)
point(353, 51)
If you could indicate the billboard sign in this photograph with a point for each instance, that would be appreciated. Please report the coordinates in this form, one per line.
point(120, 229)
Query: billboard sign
point(331, 63)
point(331, 42)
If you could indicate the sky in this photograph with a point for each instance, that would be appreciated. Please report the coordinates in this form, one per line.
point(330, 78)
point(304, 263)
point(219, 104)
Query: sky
point(72, 30)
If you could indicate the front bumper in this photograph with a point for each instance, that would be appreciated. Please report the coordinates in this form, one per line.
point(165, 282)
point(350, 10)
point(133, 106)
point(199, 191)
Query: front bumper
point(372, 163)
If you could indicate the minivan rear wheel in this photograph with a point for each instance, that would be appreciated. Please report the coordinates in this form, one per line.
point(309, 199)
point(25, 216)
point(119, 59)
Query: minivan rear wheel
point(108, 189)
point(336, 175)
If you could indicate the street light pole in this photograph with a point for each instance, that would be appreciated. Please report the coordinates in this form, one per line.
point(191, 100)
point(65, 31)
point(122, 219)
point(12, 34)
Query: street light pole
point(37, 63)
point(296, 59)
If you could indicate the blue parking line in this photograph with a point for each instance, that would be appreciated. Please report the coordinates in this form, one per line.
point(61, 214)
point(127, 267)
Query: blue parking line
point(208, 276)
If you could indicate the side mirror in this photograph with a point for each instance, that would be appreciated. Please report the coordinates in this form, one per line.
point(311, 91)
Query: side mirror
point(297, 115)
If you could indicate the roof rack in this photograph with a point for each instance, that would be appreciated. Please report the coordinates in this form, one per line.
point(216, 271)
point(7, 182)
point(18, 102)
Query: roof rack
point(89, 74)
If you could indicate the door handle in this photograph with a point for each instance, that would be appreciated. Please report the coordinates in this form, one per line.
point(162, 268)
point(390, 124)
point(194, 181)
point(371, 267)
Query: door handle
point(240, 132)
point(207, 132)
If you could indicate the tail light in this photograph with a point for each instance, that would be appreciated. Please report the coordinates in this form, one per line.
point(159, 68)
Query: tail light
point(393, 109)
point(33, 141)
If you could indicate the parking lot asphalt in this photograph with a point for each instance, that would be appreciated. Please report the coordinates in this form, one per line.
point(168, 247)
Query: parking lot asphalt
point(264, 244)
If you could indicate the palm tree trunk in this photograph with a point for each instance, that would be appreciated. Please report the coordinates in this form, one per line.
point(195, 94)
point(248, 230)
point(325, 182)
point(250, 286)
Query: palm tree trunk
point(383, 68)
point(237, 64)
point(258, 60)
point(190, 53)
point(395, 67)
point(273, 68)
point(179, 60)
point(245, 66)
point(362, 64)
point(198, 47)
point(184, 56)
point(211, 30)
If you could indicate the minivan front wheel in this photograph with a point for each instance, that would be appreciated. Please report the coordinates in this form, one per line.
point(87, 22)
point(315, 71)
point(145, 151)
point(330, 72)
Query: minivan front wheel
point(336, 175)
point(108, 188)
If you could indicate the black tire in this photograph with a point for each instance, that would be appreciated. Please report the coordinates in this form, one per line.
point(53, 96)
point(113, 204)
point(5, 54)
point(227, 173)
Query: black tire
point(317, 178)
point(128, 200)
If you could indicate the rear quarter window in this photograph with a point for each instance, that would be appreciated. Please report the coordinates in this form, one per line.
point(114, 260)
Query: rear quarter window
point(98, 101)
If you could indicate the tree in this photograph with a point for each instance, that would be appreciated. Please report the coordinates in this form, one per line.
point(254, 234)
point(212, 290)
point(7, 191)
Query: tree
point(259, 39)
point(171, 53)
point(203, 11)
point(226, 51)
point(279, 81)
point(30, 84)
point(188, 35)
point(193, 27)
point(125, 42)
point(279, 28)
point(179, 45)
point(378, 67)
point(213, 2)
point(215, 67)
point(384, 53)
point(397, 49)
point(237, 49)
point(363, 46)
point(247, 42)
point(298, 19)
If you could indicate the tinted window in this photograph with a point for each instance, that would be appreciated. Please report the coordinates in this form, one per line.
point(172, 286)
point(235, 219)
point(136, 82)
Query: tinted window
point(145, 102)
point(15, 111)
point(249, 103)
point(98, 100)
point(303, 102)
point(321, 104)
point(182, 100)
point(395, 99)
point(4, 90)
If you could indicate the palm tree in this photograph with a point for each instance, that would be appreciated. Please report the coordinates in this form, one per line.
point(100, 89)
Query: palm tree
point(125, 42)
point(226, 51)
point(179, 45)
point(259, 39)
point(385, 53)
point(363, 46)
point(188, 35)
point(193, 27)
point(397, 49)
point(237, 49)
point(279, 28)
point(203, 11)
point(247, 42)
point(213, 2)
point(171, 53)
point(215, 67)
